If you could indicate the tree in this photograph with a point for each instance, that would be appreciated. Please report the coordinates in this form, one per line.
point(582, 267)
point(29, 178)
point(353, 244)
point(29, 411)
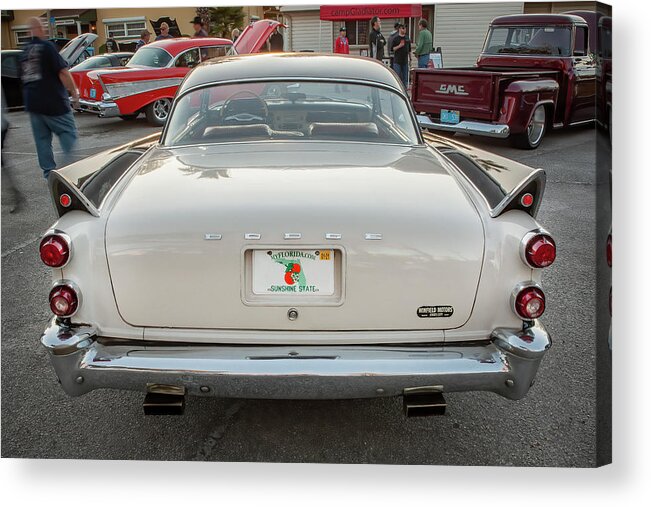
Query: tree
point(224, 19)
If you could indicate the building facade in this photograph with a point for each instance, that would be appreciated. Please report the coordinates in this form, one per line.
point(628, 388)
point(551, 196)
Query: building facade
point(125, 24)
point(458, 29)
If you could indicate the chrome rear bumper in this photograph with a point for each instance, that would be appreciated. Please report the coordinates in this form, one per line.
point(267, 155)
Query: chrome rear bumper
point(101, 108)
point(506, 365)
point(467, 127)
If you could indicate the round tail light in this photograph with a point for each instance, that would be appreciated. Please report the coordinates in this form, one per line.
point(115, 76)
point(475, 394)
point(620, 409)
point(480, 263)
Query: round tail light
point(539, 250)
point(64, 300)
point(529, 303)
point(55, 250)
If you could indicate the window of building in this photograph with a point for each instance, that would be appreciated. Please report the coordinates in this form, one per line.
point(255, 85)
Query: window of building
point(22, 37)
point(122, 29)
point(357, 32)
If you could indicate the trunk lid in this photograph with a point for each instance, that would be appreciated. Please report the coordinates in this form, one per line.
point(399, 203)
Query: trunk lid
point(73, 49)
point(166, 271)
point(255, 36)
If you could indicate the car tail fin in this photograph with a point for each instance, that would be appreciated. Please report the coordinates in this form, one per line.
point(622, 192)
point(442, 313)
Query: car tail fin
point(82, 185)
point(504, 184)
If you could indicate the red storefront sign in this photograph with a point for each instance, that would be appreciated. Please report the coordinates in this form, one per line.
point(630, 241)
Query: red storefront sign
point(352, 12)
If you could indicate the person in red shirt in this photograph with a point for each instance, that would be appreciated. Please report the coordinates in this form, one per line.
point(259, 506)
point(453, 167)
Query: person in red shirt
point(341, 43)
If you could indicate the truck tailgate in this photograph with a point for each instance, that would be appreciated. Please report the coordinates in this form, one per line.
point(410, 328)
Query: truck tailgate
point(473, 93)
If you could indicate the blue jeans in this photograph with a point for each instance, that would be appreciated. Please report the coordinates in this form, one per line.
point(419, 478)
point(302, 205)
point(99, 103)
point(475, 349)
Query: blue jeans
point(402, 71)
point(43, 126)
point(422, 61)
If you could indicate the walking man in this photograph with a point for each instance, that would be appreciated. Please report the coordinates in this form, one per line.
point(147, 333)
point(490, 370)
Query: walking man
point(145, 35)
point(46, 85)
point(164, 32)
point(341, 43)
point(376, 41)
point(198, 28)
point(424, 45)
point(401, 50)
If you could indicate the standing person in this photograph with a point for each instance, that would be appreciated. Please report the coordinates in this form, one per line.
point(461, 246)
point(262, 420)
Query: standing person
point(276, 42)
point(15, 197)
point(235, 34)
point(390, 44)
point(341, 43)
point(46, 84)
point(164, 32)
point(376, 40)
point(401, 50)
point(145, 36)
point(198, 28)
point(112, 45)
point(424, 45)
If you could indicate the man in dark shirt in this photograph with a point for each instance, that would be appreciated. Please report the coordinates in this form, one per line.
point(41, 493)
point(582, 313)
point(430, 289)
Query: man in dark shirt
point(112, 45)
point(46, 84)
point(401, 50)
point(164, 32)
point(145, 35)
point(376, 41)
point(276, 42)
point(198, 28)
point(390, 40)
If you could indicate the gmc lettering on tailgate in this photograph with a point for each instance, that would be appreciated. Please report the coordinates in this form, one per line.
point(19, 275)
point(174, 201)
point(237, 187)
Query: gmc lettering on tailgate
point(450, 89)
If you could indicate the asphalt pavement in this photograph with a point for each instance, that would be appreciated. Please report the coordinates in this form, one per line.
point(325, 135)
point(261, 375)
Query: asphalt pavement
point(555, 425)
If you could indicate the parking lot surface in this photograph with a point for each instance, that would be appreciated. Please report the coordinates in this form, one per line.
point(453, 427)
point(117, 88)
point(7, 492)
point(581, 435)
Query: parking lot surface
point(555, 425)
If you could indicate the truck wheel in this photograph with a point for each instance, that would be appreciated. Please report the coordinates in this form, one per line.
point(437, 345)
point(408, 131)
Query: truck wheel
point(158, 111)
point(531, 138)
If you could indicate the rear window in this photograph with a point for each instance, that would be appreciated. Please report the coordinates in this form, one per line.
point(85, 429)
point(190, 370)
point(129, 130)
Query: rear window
point(150, 57)
point(291, 110)
point(529, 40)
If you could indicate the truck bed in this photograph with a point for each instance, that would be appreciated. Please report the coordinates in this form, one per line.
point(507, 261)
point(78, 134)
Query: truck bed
point(472, 91)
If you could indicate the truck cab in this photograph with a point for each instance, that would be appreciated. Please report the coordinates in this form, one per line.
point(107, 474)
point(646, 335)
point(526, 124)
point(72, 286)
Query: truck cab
point(535, 72)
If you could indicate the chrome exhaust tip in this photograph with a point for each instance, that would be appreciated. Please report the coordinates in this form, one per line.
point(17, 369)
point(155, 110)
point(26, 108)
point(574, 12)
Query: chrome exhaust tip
point(422, 402)
point(164, 400)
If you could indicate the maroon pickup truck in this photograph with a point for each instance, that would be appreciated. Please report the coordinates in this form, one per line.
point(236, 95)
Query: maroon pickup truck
point(536, 71)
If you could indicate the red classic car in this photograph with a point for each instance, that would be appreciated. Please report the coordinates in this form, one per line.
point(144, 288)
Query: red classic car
point(149, 81)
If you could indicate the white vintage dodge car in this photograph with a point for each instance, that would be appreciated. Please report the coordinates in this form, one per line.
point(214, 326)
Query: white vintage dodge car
point(293, 234)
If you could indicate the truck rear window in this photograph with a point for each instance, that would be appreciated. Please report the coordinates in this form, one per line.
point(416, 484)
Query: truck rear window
point(529, 40)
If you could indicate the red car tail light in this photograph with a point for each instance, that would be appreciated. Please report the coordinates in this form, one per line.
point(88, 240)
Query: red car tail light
point(539, 250)
point(609, 251)
point(529, 302)
point(55, 250)
point(64, 299)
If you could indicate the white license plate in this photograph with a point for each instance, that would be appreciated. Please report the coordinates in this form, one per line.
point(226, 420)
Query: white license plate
point(294, 272)
point(449, 116)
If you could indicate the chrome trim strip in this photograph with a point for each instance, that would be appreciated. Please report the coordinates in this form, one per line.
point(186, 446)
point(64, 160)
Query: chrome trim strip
point(137, 87)
point(332, 235)
point(293, 235)
point(252, 236)
point(373, 236)
point(467, 127)
point(211, 236)
point(505, 363)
